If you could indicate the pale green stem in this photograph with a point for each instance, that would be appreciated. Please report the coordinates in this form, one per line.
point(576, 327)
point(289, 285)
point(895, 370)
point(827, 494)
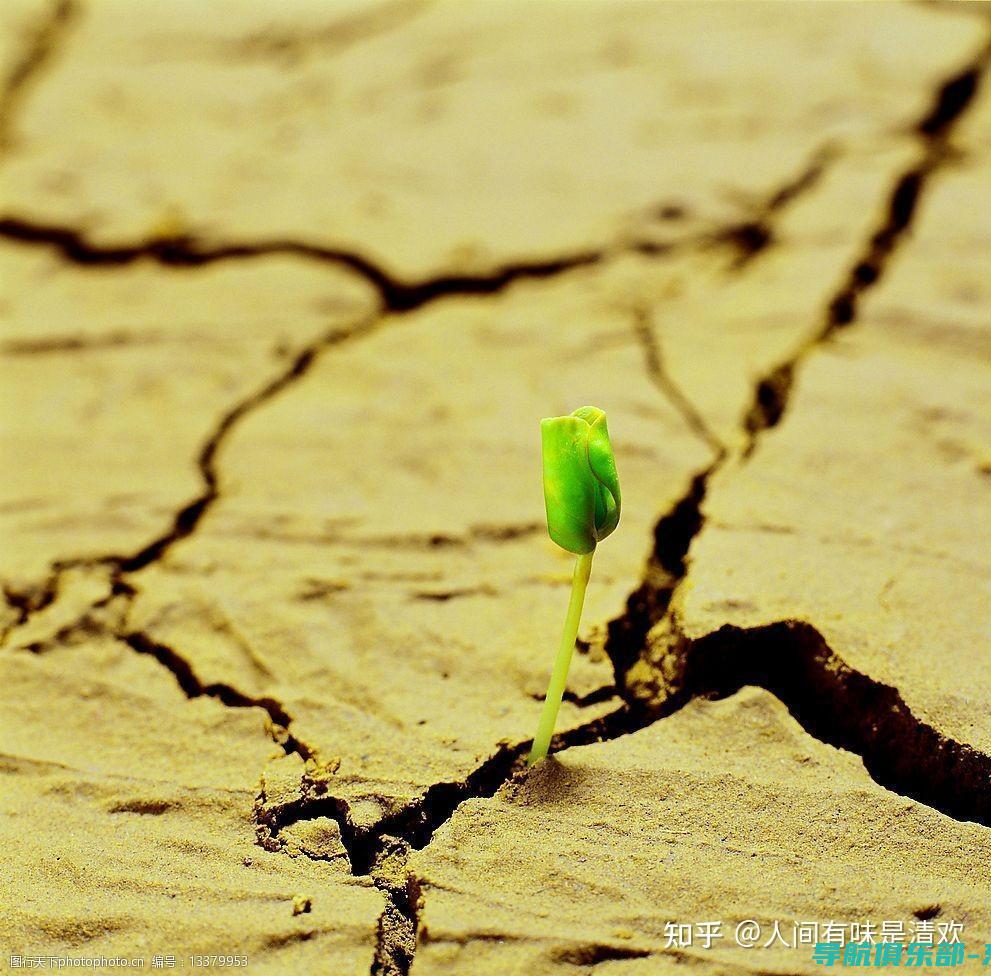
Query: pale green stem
point(559, 676)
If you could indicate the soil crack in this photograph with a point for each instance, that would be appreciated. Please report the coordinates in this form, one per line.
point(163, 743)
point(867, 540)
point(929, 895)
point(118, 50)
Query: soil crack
point(280, 721)
point(751, 237)
point(399, 922)
point(39, 52)
point(188, 518)
point(646, 334)
point(934, 130)
point(834, 703)
point(382, 850)
point(395, 294)
point(415, 822)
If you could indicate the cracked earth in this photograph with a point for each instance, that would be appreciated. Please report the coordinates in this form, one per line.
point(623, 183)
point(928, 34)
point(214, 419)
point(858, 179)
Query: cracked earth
point(287, 289)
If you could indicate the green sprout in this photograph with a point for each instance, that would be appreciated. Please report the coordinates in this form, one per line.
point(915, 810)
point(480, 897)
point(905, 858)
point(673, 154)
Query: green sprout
point(581, 494)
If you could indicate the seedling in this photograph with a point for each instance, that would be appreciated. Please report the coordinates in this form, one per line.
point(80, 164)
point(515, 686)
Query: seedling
point(581, 495)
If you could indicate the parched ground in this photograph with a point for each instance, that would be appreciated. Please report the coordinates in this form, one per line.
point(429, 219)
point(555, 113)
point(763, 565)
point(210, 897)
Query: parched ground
point(286, 289)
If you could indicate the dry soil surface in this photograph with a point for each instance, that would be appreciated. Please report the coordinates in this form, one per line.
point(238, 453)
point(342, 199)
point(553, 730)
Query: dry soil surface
point(286, 289)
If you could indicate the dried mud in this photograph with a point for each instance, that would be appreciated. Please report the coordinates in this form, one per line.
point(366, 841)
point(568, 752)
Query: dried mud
point(287, 288)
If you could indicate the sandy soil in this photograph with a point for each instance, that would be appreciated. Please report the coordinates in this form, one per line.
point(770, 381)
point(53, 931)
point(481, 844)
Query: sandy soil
point(286, 289)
